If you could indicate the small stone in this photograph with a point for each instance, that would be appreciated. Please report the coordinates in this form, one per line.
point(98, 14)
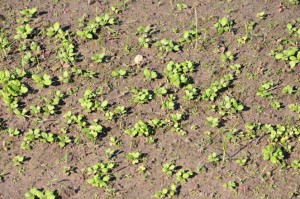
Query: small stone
point(139, 60)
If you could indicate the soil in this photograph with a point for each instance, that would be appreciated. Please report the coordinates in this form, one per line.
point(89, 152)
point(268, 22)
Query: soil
point(45, 162)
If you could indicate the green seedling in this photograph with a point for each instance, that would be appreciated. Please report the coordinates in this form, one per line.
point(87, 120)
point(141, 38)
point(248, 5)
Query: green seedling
point(119, 73)
point(276, 105)
point(165, 45)
point(242, 161)
point(167, 192)
point(183, 175)
point(191, 92)
point(114, 141)
point(230, 106)
point(264, 90)
point(42, 81)
point(231, 184)
point(223, 25)
point(53, 30)
point(63, 140)
point(169, 104)
point(23, 32)
point(211, 93)
point(160, 91)
point(140, 129)
point(102, 174)
point(169, 169)
point(66, 77)
point(236, 68)
point(273, 153)
point(213, 158)
point(293, 29)
point(134, 157)
point(93, 131)
point(35, 193)
point(30, 12)
point(177, 72)
point(189, 36)
point(100, 58)
point(288, 90)
point(294, 107)
point(261, 15)
point(227, 57)
point(150, 74)
point(295, 164)
point(294, 2)
point(18, 160)
point(181, 6)
point(212, 121)
point(290, 55)
point(145, 38)
point(13, 132)
point(141, 96)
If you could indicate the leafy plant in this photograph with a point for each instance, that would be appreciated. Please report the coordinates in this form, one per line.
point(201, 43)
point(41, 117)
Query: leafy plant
point(23, 32)
point(264, 90)
point(150, 74)
point(167, 192)
point(227, 56)
point(102, 174)
point(34, 193)
point(223, 25)
point(141, 96)
point(18, 160)
point(42, 81)
point(134, 157)
point(30, 12)
point(273, 153)
point(53, 30)
point(211, 93)
point(168, 169)
point(191, 92)
point(100, 58)
point(291, 55)
point(231, 184)
point(165, 45)
point(177, 72)
point(181, 6)
point(230, 106)
point(183, 175)
point(140, 129)
point(261, 15)
point(214, 158)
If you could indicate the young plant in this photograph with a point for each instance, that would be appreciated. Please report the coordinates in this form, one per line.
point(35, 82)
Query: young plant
point(273, 153)
point(167, 192)
point(30, 12)
point(223, 25)
point(134, 157)
point(230, 106)
point(150, 74)
point(141, 96)
point(264, 90)
point(213, 158)
point(18, 160)
point(42, 81)
point(191, 92)
point(169, 169)
point(165, 45)
point(23, 32)
point(212, 121)
point(183, 175)
point(290, 55)
point(53, 30)
point(35, 193)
